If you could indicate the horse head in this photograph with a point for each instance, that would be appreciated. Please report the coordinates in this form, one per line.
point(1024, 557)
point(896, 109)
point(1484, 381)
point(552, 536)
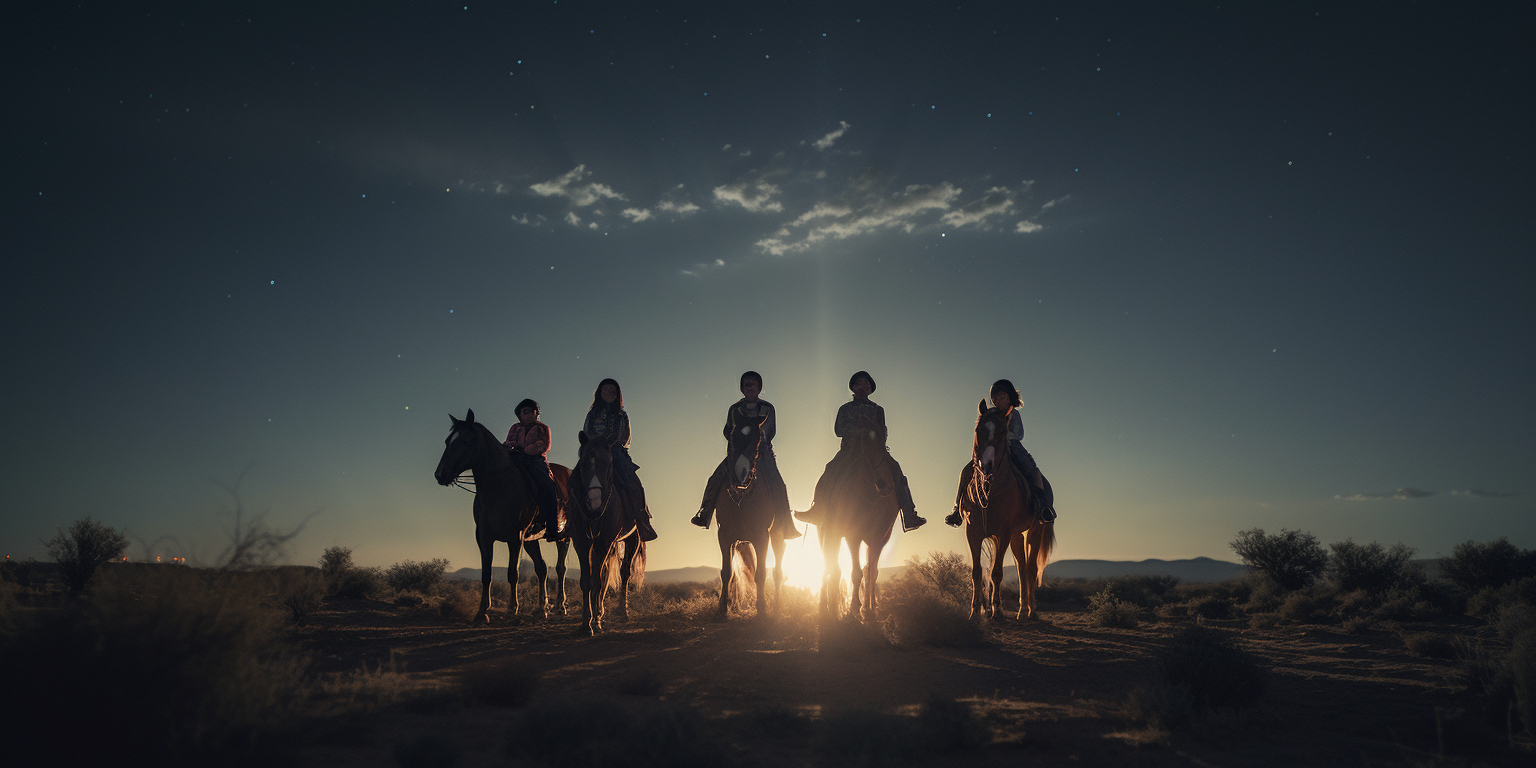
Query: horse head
point(595, 469)
point(990, 448)
point(462, 449)
point(746, 443)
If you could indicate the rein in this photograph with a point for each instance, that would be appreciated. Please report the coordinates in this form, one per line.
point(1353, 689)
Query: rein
point(739, 492)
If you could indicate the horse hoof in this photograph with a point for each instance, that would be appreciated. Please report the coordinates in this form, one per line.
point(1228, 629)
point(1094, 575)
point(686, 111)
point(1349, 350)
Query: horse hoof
point(481, 619)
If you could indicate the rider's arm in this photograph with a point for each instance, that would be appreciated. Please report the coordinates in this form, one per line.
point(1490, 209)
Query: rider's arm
point(1016, 426)
point(621, 435)
point(770, 424)
point(844, 423)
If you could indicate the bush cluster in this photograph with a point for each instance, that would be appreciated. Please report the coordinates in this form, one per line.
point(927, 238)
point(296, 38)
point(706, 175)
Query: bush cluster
point(411, 576)
point(83, 549)
point(1200, 669)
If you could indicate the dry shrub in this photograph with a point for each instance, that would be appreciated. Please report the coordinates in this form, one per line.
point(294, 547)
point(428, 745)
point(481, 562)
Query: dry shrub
point(1431, 645)
point(83, 549)
point(506, 682)
point(411, 576)
point(929, 619)
point(459, 604)
point(691, 599)
point(359, 584)
point(366, 689)
point(1490, 601)
point(1372, 567)
point(1264, 594)
point(166, 665)
point(1307, 607)
point(1473, 567)
point(612, 734)
point(410, 600)
point(1105, 609)
point(1217, 608)
point(1171, 611)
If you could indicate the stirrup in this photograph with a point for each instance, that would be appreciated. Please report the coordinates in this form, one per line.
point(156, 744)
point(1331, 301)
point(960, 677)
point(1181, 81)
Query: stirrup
point(910, 523)
point(954, 520)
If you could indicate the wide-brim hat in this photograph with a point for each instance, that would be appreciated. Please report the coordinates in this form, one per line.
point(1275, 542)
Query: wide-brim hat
point(861, 375)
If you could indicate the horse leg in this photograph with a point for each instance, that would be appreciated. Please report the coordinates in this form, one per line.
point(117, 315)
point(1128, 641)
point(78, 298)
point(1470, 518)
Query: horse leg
point(600, 584)
point(831, 576)
point(760, 554)
point(855, 582)
point(872, 591)
point(973, 539)
point(1026, 551)
point(727, 547)
point(584, 559)
point(777, 542)
point(560, 550)
point(631, 548)
point(540, 572)
point(999, 554)
point(487, 551)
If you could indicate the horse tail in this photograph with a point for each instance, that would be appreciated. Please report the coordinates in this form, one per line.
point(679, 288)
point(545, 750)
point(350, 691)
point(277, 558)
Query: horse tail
point(1047, 546)
point(611, 563)
point(637, 568)
point(745, 561)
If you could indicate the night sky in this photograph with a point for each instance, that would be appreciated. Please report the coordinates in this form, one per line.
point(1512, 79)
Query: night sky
point(1251, 265)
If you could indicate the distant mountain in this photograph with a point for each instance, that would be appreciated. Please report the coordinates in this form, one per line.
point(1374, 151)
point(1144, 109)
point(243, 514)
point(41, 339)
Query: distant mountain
point(1200, 570)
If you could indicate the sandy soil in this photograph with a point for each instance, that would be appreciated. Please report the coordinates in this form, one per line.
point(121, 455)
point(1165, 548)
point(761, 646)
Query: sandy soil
point(1051, 692)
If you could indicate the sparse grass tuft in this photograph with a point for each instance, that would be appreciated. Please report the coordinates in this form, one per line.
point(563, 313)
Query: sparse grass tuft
point(1431, 645)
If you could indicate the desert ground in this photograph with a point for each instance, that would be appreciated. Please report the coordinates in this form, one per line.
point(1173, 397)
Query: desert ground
point(672, 686)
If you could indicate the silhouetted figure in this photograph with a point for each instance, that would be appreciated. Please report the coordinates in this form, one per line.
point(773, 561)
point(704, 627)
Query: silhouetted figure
point(1006, 402)
point(750, 409)
point(529, 441)
point(607, 422)
point(862, 414)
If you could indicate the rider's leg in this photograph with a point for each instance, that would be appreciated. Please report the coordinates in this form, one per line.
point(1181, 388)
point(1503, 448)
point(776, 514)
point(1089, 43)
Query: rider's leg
point(816, 514)
point(711, 492)
point(954, 519)
point(910, 521)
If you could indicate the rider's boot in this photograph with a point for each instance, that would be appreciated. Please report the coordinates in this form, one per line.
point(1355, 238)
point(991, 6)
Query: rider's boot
point(953, 519)
point(909, 518)
point(785, 522)
point(702, 517)
point(813, 515)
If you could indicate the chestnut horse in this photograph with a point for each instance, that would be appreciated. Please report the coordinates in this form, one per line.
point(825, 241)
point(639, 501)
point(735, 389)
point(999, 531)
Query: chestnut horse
point(602, 524)
point(506, 509)
point(861, 509)
point(745, 507)
point(995, 500)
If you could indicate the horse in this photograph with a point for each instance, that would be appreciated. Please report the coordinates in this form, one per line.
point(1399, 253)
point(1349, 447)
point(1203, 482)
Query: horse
point(861, 509)
point(604, 531)
point(746, 507)
point(506, 509)
point(996, 502)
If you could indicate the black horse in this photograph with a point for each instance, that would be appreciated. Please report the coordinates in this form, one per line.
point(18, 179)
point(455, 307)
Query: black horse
point(746, 506)
point(602, 521)
point(506, 508)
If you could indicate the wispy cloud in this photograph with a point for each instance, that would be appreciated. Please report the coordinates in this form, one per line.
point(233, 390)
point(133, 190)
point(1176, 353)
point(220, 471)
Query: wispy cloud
point(1401, 494)
point(755, 196)
point(828, 140)
point(1484, 494)
point(636, 214)
point(569, 185)
point(682, 209)
point(699, 269)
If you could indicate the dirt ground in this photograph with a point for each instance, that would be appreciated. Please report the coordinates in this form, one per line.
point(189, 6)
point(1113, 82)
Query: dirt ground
point(1049, 692)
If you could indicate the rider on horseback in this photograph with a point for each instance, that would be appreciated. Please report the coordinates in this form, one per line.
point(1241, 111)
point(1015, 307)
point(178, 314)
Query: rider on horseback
point(854, 416)
point(1006, 401)
point(607, 422)
point(750, 408)
point(528, 440)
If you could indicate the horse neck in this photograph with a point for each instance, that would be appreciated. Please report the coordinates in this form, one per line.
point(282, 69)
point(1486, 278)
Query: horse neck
point(492, 464)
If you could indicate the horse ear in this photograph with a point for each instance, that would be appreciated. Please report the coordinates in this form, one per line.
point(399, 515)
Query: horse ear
point(470, 417)
point(981, 406)
point(453, 419)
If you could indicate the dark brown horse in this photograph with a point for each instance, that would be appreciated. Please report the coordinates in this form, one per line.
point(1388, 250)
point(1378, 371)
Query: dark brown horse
point(746, 506)
point(861, 509)
point(995, 500)
point(506, 509)
point(602, 523)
